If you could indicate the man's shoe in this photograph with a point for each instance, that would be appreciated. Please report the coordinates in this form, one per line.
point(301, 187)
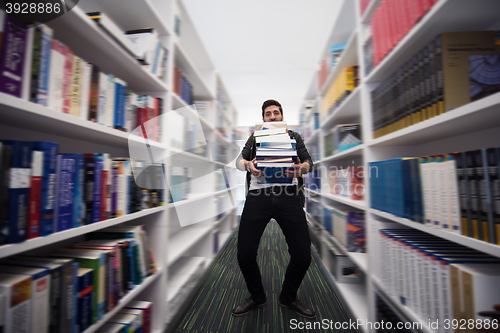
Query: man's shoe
point(300, 308)
point(246, 306)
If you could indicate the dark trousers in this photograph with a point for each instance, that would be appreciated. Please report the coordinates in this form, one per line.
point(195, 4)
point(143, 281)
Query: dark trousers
point(287, 210)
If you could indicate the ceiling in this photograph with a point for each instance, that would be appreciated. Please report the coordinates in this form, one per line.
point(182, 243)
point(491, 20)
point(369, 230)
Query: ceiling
point(265, 49)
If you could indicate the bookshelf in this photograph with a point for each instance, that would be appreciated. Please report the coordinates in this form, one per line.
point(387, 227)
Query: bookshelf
point(182, 254)
point(471, 126)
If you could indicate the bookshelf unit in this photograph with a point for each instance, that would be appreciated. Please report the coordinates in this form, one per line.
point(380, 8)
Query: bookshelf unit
point(182, 253)
point(472, 126)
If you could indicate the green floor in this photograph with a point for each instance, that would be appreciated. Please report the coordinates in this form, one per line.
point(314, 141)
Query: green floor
point(224, 288)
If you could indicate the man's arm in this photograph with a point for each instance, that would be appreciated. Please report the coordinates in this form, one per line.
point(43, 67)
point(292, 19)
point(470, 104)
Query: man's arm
point(244, 163)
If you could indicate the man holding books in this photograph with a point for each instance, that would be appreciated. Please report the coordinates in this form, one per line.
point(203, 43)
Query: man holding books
point(274, 159)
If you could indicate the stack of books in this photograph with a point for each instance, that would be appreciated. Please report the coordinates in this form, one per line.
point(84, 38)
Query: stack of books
point(275, 152)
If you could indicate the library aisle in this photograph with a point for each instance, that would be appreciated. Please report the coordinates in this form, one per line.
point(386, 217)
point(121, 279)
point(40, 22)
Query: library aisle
point(224, 287)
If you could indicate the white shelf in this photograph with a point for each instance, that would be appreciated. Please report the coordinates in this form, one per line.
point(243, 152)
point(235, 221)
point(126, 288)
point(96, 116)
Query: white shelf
point(131, 15)
point(183, 240)
point(489, 248)
point(178, 154)
point(355, 151)
point(479, 115)
point(446, 15)
point(178, 279)
point(200, 87)
point(178, 103)
point(313, 137)
point(348, 110)
point(20, 113)
point(359, 204)
point(348, 58)
point(360, 259)
point(356, 297)
point(125, 300)
point(12, 249)
point(87, 40)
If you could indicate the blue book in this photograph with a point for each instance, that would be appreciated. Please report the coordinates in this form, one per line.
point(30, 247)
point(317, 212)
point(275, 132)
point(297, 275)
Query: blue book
point(78, 183)
point(327, 219)
point(85, 278)
point(19, 188)
point(65, 192)
point(120, 95)
point(44, 71)
point(98, 166)
point(335, 54)
point(50, 151)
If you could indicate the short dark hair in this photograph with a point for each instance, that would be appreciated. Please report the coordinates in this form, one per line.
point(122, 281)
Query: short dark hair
point(270, 102)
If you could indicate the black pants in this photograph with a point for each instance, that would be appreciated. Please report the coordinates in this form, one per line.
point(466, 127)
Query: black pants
point(287, 210)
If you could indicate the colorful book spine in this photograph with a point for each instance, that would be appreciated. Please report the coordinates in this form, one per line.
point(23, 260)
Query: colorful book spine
point(65, 192)
point(57, 65)
point(94, 93)
point(19, 188)
point(35, 63)
point(50, 151)
point(120, 107)
point(12, 60)
point(79, 184)
point(76, 86)
point(110, 101)
point(98, 166)
point(85, 90)
point(89, 188)
point(103, 94)
point(67, 75)
point(44, 71)
point(85, 295)
point(35, 195)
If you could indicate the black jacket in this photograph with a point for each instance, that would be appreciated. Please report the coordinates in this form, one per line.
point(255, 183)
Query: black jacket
point(248, 153)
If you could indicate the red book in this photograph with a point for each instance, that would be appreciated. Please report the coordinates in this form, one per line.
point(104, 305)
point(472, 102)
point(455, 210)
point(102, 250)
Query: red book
point(405, 12)
point(156, 113)
point(140, 115)
point(374, 31)
point(426, 4)
point(67, 75)
point(35, 195)
point(94, 93)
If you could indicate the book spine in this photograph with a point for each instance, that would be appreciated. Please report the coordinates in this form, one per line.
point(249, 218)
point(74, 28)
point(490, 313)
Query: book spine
point(474, 195)
point(68, 73)
point(86, 293)
point(463, 188)
point(78, 199)
point(44, 72)
point(57, 63)
point(495, 184)
point(103, 91)
point(114, 187)
point(85, 90)
point(104, 188)
point(94, 93)
point(76, 86)
point(65, 188)
point(89, 188)
point(35, 64)
point(98, 167)
point(35, 195)
point(110, 101)
point(12, 60)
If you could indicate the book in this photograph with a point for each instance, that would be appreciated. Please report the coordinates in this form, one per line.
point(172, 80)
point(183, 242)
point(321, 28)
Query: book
point(67, 79)
point(145, 41)
point(35, 64)
point(335, 53)
point(110, 101)
point(57, 65)
point(109, 27)
point(13, 58)
point(86, 74)
point(120, 105)
point(44, 70)
point(94, 92)
point(78, 190)
point(19, 188)
point(65, 177)
point(85, 295)
point(16, 302)
point(40, 285)
point(76, 86)
point(33, 229)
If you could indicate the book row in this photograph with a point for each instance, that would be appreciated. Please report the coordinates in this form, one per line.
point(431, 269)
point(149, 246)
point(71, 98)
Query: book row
point(457, 192)
point(392, 20)
point(345, 224)
point(338, 91)
point(329, 62)
point(345, 182)
point(312, 180)
point(453, 69)
point(48, 73)
point(438, 280)
point(45, 192)
point(341, 138)
point(73, 288)
point(182, 87)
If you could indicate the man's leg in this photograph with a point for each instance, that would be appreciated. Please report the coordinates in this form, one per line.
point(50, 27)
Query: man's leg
point(254, 219)
point(290, 216)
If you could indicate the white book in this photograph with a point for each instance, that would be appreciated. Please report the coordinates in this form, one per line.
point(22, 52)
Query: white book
point(110, 101)
point(76, 86)
point(103, 94)
point(426, 193)
point(16, 291)
point(129, 321)
point(110, 328)
point(40, 287)
point(453, 197)
point(283, 138)
point(270, 124)
point(435, 185)
point(144, 40)
point(443, 195)
point(86, 75)
point(28, 61)
point(57, 61)
point(271, 131)
point(113, 31)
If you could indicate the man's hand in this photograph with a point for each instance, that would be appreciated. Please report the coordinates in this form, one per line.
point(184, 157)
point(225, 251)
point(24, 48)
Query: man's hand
point(299, 169)
point(253, 169)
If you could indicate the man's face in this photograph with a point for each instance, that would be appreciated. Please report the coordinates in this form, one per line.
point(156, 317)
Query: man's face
point(272, 113)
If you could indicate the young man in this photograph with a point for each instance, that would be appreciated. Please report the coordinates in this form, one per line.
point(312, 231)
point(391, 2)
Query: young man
point(284, 203)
